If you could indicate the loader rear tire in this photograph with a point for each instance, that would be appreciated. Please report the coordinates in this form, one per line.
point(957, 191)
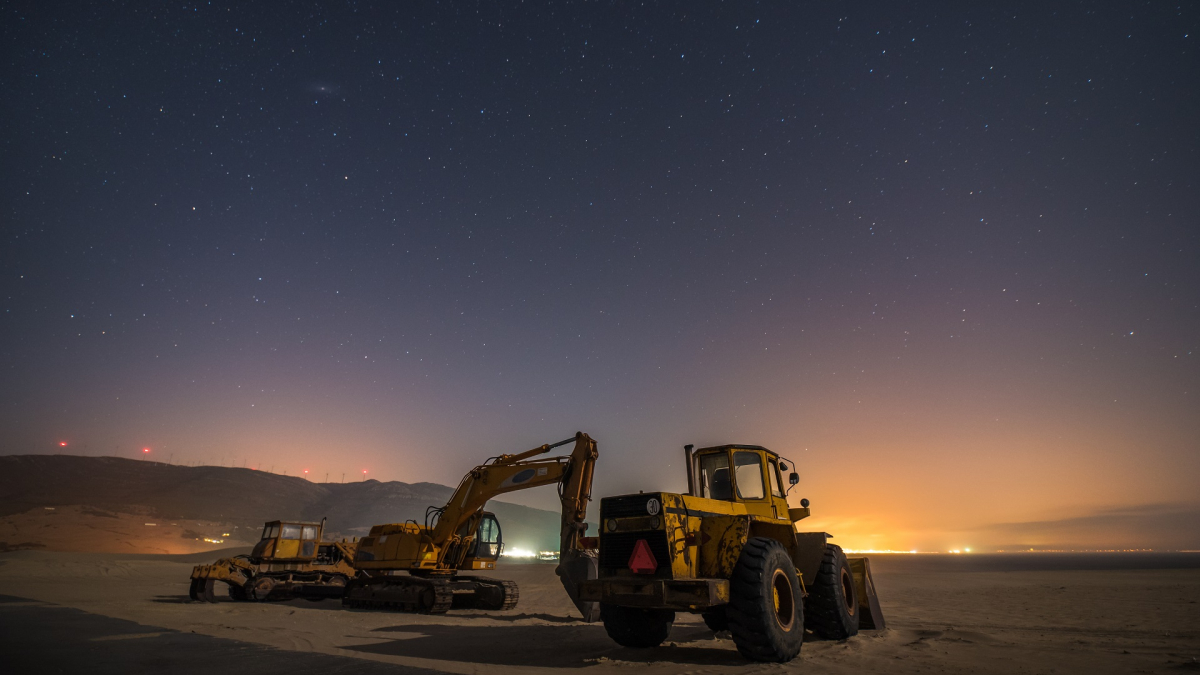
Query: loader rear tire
point(831, 609)
point(766, 613)
point(635, 627)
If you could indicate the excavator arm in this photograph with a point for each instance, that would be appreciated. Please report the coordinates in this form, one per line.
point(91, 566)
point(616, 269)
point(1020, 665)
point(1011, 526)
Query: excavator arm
point(508, 473)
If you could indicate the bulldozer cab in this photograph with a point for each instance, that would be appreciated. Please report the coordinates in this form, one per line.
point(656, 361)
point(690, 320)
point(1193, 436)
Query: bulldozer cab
point(486, 547)
point(745, 474)
point(283, 540)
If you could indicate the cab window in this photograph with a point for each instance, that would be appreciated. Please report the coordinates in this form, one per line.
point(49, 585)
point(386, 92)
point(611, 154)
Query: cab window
point(773, 472)
point(310, 532)
point(291, 531)
point(748, 466)
point(488, 537)
point(714, 476)
point(270, 531)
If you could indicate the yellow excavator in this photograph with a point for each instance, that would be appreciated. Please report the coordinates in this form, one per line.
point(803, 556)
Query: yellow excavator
point(414, 566)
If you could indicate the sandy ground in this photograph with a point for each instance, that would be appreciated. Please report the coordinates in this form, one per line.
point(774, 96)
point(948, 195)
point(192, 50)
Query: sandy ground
point(1096, 621)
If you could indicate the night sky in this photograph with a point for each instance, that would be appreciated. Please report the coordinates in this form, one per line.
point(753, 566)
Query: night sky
point(943, 257)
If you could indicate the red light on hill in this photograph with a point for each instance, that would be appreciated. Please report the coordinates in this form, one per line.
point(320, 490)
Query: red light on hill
point(145, 449)
point(62, 444)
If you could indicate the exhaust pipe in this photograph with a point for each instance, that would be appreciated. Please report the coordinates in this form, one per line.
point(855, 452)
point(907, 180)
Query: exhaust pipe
point(691, 472)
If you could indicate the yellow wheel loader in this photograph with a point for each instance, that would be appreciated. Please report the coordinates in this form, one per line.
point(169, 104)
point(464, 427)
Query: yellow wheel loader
point(728, 550)
point(417, 566)
point(289, 561)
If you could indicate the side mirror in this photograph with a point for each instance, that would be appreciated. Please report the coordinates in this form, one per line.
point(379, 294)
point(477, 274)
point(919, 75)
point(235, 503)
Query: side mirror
point(794, 478)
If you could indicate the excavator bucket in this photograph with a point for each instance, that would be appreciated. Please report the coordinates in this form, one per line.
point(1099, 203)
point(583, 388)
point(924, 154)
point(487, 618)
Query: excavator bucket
point(575, 567)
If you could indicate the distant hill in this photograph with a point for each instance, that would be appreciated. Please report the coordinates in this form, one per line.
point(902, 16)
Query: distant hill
point(243, 497)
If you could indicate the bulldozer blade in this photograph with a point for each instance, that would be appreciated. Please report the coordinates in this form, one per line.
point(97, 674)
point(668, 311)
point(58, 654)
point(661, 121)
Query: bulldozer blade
point(870, 614)
point(574, 568)
point(194, 589)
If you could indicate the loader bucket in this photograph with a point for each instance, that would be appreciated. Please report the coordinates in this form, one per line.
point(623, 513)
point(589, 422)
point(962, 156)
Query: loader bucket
point(573, 568)
point(870, 614)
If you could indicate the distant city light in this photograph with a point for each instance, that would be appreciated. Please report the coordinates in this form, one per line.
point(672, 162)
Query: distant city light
point(517, 552)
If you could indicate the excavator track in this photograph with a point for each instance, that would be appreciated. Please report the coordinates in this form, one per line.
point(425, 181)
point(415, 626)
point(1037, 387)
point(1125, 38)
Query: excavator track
point(401, 593)
point(485, 593)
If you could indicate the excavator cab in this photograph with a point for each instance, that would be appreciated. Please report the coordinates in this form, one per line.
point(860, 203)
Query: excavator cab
point(487, 546)
point(282, 540)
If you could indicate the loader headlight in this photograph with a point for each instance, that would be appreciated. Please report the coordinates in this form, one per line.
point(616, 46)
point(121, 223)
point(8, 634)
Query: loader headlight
point(611, 524)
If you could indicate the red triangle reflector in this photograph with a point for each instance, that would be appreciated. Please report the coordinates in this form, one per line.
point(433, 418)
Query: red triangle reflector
point(642, 560)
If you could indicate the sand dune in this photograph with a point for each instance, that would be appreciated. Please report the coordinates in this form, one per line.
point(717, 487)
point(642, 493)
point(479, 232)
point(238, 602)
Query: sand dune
point(941, 621)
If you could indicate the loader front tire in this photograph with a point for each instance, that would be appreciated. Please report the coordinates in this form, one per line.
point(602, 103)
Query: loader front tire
point(635, 627)
point(715, 619)
point(831, 609)
point(765, 611)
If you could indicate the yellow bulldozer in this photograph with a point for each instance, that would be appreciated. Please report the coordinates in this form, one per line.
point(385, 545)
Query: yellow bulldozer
point(290, 561)
point(414, 566)
point(728, 549)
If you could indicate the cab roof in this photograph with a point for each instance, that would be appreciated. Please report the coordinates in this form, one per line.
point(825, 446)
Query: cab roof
point(738, 446)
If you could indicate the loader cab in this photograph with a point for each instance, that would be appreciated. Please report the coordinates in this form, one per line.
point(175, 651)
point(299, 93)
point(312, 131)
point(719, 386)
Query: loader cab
point(283, 540)
point(487, 546)
point(746, 474)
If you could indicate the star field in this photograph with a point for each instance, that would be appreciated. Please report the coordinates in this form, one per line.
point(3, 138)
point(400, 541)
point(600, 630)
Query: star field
point(943, 257)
